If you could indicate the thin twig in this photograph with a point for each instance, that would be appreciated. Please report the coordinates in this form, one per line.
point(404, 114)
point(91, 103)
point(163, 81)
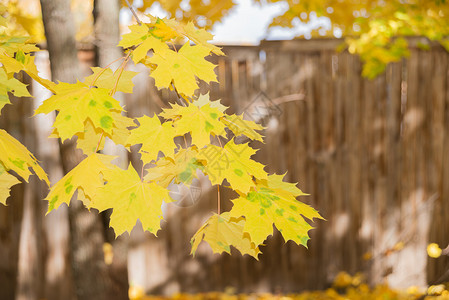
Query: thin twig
point(179, 99)
point(102, 71)
point(120, 70)
point(134, 12)
point(99, 142)
point(218, 199)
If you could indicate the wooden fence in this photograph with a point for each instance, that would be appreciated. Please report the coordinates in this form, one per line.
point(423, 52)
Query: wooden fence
point(372, 154)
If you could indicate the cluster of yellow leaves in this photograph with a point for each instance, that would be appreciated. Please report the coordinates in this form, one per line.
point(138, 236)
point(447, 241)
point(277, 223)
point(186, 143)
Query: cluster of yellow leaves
point(88, 111)
point(373, 29)
point(13, 155)
point(23, 19)
point(172, 66)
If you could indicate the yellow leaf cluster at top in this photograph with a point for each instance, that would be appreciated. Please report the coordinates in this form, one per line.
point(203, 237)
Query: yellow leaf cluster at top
point(171, 66)
point(373, 29)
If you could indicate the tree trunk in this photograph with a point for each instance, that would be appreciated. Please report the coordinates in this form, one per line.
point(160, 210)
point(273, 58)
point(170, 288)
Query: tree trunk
point(89, 269)
point(11, 215)
point(30, 269)
point(107, 35)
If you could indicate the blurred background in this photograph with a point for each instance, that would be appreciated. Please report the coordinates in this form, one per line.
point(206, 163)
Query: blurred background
point(355, 99)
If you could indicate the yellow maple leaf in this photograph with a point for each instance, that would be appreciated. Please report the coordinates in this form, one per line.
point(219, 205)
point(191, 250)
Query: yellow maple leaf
point(273, 201)
point(8, 84)
point(16, 157)
point(91, 138)
point(239, 126)
point(199, 121)
point(163, 31)
point(232, 162)
point(221, 232)
point(25, 62)
point(183, 67)
point(6, 182)
point(131, 199)
point(154, 137)
point(12, 44)
point(197, 35)
point(84, 178)
point(181, 168)
point(141, 37)
point(205, 99)
point(76, 103)
point(105, 78)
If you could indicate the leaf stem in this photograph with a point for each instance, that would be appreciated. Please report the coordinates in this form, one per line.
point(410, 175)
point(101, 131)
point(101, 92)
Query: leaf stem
point(179, 99)
point(219, 141)
point(99, 142)
point(122, 67)
point(102, 71)
point(218, 199)
point(141, 172)
point(134, 12)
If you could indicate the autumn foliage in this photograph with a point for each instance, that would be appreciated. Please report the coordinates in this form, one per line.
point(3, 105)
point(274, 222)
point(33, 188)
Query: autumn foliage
point(192, 136)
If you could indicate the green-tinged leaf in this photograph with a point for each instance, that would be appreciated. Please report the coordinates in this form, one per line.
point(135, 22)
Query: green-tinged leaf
point(131, 199)
point(181, 168)
point(93, 139)
point(8, 84)
point(145, 41)
point(16, 157)
point(200, 121)
point(274, 202)
point(86, 176)
point(232, 162)
point(27, 65)
point(76, 103)
point(221, 232)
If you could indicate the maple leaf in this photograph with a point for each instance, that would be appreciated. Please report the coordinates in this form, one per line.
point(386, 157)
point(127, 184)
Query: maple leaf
point(199, 121)
point(12, 44)
point(182, 68)
point(6, 182)
point(204, 99)
point(25, 63)
point(239, 126)
point(16, 157)
point(273, 201)
point(76, 103)
point(154, 137)
point(105, 78)
point(12, 85)
point(142, 37)
point(181, 168)
point(161, 30)
point(91, 138)
point(221, 232)
point(232, 162)
point(86, 176)
point(131, 199)
point(197, 35)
